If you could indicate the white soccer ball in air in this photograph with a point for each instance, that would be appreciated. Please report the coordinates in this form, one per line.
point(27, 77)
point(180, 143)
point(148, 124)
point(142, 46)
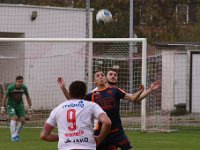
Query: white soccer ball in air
point(103, 16)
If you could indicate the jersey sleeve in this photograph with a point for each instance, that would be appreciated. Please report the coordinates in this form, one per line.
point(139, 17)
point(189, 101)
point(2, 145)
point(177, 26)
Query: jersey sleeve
point(9, 88)
point(26, 90)
point(52, 118)
point(121, 93)
point(7, 92)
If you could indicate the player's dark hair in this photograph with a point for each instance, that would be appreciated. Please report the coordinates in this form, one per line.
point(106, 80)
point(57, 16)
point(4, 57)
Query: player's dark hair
point(112, 69)
point(97, 70)
point(77, 90)
point(19, 78)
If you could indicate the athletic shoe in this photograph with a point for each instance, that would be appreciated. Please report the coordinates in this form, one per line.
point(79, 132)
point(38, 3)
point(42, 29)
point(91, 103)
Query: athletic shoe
point(15, 138)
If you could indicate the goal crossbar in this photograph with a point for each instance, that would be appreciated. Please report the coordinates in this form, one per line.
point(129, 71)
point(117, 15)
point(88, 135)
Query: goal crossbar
point(143, 40)
point(131, 42)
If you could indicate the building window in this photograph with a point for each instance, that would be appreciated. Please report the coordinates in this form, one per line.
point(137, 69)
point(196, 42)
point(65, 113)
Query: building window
point(145, 18)
point(182, 14)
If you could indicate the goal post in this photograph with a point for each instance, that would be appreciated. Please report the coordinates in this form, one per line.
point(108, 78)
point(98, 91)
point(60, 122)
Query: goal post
point(88, 40)
point(42, 60)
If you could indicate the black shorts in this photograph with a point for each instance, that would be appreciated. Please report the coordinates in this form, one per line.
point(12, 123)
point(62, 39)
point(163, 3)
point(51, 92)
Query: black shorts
point(114, 140)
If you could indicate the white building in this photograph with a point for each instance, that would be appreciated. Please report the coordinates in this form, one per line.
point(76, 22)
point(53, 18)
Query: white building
point(42, 63)
point(180, 75)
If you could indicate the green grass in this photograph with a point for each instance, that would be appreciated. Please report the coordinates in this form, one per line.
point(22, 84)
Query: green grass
point(181, 140)
point(30, 140)
point(184, 139)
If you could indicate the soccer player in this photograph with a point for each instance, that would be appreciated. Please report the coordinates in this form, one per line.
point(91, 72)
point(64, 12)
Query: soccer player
point(74, 121)
point(14, 104)
point(109, 99)
point(112, 78)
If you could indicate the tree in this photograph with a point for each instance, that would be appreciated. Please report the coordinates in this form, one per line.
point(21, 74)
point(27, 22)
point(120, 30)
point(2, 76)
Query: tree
point(153, 19)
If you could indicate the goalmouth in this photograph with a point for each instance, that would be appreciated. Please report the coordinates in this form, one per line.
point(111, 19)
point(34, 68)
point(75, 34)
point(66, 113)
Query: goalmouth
point(42, 60)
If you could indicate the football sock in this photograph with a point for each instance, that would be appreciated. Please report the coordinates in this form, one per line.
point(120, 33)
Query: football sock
point(12, 127)
point(19, 127)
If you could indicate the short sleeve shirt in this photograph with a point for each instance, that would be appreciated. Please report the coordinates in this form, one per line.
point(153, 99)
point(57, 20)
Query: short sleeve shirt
point(109, 100)
point(15, 94)
point(74, 121)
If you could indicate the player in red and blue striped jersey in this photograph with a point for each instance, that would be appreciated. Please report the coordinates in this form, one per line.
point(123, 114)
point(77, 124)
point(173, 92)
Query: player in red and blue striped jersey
point(112, 78)
point(109, 99)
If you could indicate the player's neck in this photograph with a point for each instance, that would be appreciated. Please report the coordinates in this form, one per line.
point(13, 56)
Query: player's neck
point(101, 86)
point(111, 83)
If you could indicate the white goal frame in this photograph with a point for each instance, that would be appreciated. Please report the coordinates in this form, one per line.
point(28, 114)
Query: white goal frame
point(90, 40)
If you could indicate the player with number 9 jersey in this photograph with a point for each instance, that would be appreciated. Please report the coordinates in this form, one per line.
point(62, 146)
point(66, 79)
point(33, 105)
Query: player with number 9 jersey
point(74, 120)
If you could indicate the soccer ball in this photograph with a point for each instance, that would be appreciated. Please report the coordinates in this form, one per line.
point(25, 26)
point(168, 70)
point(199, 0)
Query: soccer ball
point(103, 16)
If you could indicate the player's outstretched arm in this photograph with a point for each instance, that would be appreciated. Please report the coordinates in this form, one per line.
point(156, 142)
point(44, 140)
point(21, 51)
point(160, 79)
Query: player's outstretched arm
point(105, 129)
point(134, 97)
point(47, 135)
point(154, 86)
point(61, 84)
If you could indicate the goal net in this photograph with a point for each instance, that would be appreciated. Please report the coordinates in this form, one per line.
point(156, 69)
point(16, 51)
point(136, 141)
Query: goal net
point(42, 61)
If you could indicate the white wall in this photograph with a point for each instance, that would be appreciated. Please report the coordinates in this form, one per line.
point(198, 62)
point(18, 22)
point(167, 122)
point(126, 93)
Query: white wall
point(180, 77)
point(195, 83)
point(174, 78)
point(10, 58)
point(51, 22)
point(167, 80)
point(44, 62)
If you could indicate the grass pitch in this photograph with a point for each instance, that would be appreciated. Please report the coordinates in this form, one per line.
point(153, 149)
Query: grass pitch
point(184, 139)
point(180, 140)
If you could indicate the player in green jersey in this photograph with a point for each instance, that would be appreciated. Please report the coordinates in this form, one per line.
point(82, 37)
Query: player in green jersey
point(13, 102)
